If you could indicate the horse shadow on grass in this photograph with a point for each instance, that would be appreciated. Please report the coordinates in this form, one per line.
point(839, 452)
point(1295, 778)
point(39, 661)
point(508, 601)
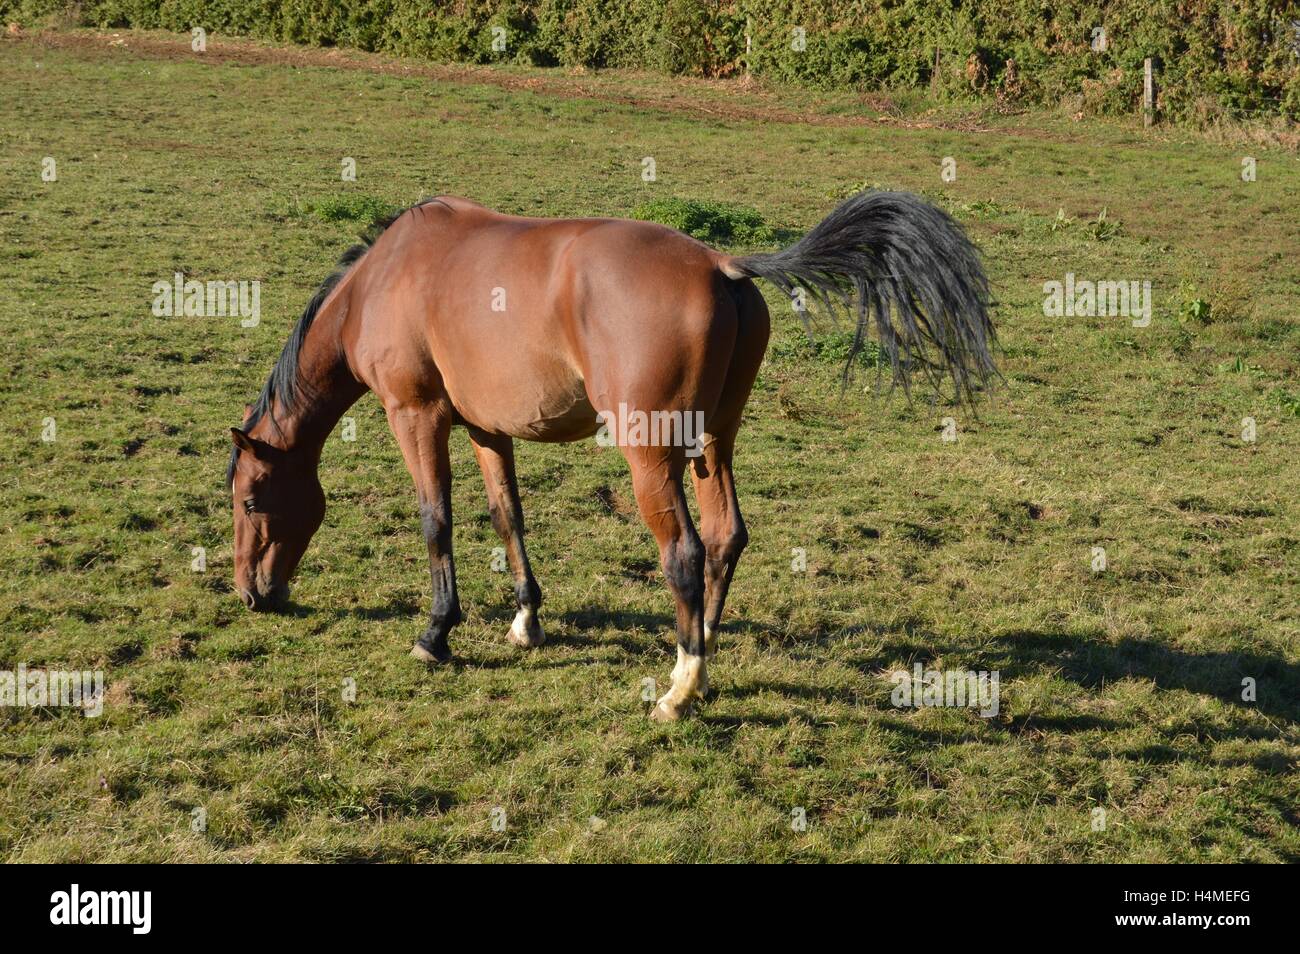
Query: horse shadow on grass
point(637, 634)
point(1088, 660)
point(1092, 661)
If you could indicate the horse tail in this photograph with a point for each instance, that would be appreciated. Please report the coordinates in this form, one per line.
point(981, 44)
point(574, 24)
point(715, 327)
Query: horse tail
point(898, 259)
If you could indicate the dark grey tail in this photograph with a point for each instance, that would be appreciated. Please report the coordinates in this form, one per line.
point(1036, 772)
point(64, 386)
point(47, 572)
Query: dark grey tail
point(898, 258)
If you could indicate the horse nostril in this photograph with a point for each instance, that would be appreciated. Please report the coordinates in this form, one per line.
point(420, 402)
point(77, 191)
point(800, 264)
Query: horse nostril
point(247, 597)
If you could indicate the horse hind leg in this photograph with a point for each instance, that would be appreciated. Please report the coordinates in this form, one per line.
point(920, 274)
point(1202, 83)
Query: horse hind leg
point(683, 372)
point(657, 480)
point(722, 530)
point(496, 459)
point(721, 527)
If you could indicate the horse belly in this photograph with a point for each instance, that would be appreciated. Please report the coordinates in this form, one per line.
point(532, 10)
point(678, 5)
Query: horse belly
point(559, 414)
point(532, 404)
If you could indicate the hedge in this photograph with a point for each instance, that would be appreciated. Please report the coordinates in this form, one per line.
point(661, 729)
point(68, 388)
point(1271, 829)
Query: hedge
point(1215, 57)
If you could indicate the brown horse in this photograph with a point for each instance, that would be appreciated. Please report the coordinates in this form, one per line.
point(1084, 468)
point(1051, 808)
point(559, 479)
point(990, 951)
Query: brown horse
point(545, 329)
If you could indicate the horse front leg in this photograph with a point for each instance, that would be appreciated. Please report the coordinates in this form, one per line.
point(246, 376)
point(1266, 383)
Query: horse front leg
point(422, 432)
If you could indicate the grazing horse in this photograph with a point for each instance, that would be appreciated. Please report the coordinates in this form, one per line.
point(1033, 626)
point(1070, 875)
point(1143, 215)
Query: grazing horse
point(545, 329)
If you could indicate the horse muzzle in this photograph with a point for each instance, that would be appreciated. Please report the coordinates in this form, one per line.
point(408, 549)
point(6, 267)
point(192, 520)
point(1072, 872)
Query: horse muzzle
point(271, 600)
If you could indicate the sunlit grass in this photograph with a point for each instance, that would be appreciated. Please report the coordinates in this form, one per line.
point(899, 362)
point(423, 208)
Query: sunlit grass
point(1120, 690)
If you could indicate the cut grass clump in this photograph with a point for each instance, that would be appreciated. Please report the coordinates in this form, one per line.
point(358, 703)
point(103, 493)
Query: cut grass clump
point(717, 223)
point(349, 207)
point(352, 208)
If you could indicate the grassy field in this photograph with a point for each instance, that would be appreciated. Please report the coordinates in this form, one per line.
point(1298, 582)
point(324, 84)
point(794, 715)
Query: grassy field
point(1121, 690)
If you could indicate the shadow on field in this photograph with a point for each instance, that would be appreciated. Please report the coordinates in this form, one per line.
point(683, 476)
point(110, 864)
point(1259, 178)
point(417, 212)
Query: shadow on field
point(1092, 661)
point(636, 633)
point(398, 608)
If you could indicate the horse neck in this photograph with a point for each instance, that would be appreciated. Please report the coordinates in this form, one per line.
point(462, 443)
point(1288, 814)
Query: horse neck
point(326, 388)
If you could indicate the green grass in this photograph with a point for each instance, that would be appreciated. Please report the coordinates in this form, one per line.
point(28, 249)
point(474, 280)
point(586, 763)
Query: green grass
point(1120, 690)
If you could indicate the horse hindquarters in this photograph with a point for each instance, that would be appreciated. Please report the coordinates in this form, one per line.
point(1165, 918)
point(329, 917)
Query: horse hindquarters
point(722, 529)
point(683, 367)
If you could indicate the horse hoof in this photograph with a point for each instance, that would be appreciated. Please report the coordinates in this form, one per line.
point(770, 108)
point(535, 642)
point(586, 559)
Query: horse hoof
point(666, 710)
point(429, 658)
point(526, 632)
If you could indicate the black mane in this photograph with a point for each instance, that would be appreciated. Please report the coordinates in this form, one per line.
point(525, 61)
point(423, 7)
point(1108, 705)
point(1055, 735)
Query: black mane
point(283, 385)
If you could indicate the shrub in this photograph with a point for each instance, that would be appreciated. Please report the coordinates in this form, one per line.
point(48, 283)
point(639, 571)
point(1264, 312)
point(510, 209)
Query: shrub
point(1239, 53)
point(717, 223)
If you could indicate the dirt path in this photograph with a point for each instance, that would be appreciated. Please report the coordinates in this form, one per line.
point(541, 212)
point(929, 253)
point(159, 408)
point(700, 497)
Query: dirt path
point(706, 98)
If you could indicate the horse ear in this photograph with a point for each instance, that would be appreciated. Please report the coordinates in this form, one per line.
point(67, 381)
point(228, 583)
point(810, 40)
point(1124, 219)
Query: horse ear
point(248, 412)
point(244, 442)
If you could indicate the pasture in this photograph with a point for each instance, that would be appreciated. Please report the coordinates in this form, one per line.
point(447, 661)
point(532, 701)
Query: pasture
point(877, 540)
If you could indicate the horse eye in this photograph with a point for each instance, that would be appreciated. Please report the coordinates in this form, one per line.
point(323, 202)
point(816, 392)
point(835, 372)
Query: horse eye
point(248, 505)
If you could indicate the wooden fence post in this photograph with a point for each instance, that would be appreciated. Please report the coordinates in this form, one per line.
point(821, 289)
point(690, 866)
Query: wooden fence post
point(749, 26)
point(1148, 93)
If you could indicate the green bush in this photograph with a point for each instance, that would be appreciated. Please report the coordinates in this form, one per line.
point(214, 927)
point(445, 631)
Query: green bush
point(717, 223)
point(352, 207)
point(1228, 57)
point(355, 207)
